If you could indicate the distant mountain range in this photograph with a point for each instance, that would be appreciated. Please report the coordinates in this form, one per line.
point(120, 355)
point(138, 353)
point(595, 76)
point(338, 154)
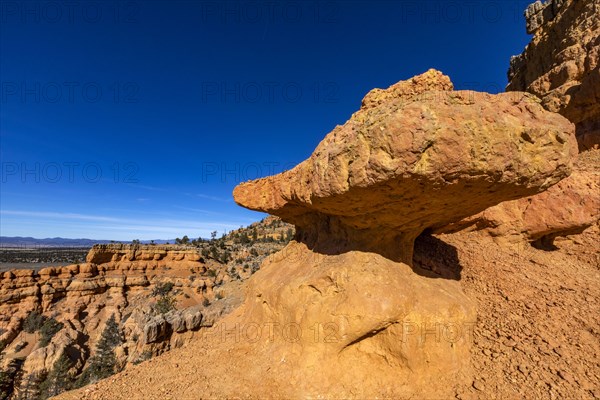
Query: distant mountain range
point(19, 241)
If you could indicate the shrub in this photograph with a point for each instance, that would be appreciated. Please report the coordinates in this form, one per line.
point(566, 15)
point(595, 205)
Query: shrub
point(146, 355)
point(162, 289)
point(20, 346)
point(33, 322)
point(49, 328)
point(165, 304)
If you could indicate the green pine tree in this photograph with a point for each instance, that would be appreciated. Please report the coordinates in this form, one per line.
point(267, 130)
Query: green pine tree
point(58, 380)
point(10, 378)
point(104, 362)
point(29, 387)
point(5, 384)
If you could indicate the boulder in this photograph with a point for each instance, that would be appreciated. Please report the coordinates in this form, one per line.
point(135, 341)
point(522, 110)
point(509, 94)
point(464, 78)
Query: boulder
point(156, 329)
point(416, 156)
point(192, 318)
point(380, 324)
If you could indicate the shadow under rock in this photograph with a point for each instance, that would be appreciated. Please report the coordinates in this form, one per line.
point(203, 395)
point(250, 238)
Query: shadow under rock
point(435, 258)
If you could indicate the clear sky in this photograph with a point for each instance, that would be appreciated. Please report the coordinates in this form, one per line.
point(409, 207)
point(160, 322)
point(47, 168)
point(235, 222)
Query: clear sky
point(136, 119)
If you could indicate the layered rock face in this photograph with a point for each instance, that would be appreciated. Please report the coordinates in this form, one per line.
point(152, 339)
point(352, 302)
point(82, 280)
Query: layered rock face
point(117, 280)
point(561, 65)
point(414, 157)
point(116, 268)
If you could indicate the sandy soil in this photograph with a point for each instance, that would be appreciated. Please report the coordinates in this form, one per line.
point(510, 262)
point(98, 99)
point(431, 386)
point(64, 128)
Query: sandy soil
point(538, 330)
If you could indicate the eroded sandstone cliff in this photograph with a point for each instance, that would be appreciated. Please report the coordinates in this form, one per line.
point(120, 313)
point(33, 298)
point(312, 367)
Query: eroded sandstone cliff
point(121, 281)
point(561, 64)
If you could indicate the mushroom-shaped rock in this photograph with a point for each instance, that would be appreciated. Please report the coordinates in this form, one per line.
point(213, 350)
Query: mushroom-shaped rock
point(416, 156)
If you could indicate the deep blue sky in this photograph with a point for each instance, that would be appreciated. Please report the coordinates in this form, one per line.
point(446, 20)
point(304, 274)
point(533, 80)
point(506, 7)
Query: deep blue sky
point(124, 120)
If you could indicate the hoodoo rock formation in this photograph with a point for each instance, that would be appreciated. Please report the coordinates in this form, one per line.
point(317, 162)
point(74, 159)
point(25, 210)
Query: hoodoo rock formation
point(561, 65)
point(343, 311)
point(415, 156)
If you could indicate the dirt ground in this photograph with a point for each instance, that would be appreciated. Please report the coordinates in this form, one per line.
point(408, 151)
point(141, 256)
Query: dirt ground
point(538, 330)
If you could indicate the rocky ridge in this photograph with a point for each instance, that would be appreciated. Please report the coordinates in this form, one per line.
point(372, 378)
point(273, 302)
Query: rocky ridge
point(561, 63)
point(117, 280)
point(330, 298)
point(391, 328)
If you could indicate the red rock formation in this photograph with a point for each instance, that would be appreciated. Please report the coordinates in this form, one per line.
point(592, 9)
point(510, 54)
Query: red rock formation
point(567, 208)
point(117, 280)
point(561, 65)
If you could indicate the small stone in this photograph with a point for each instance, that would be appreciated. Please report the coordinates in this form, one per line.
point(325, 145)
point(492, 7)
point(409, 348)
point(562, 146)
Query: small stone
point(478, 384)
point(566, 376)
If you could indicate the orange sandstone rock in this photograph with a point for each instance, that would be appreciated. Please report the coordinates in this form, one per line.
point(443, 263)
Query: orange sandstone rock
point(561, 65)
point(416, 156)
